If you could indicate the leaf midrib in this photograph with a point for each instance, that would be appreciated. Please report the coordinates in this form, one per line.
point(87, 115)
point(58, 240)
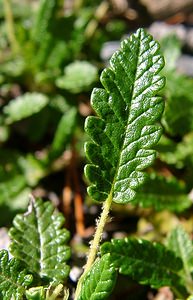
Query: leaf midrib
point(122, 147)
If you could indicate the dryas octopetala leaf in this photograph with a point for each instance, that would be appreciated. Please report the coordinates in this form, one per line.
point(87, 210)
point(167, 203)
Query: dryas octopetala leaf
point(100, 280)
point(125, 129)
point(40, 241)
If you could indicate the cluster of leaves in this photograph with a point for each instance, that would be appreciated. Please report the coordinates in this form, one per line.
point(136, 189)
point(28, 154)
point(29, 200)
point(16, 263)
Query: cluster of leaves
point(45, 78)
point(49, 63)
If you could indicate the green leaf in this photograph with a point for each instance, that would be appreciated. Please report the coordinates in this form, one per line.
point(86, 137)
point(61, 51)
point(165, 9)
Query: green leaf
point(18, 173)
point(146, 262)
point(161, 193)
point(99, 281)
point(44, 18)
point(179, 154)
point(14, 279)
point(178, 114)
point(39, 240)
point(11, 188)
point(24, 106)
point(78, 77)
point(32, 169)
point(63, 133)
point(180, 243)
point(171, 48)
point(124, 131)
point(36, 293)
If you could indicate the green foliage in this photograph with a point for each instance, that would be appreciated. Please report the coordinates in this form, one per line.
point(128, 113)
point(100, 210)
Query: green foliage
point(44, 98)
point(176, 111)
point(78, 77)
point(24, 106)
point(124, 130)
point(14, 279)
point(146, 262)
point(100, 280)
point(41, 293)
point(39, 240)
point(171, 49)
point(44, 18)
point(19, 174)
point(37, 293)
point(63, 132)
point(180, 243)
point(160, 192)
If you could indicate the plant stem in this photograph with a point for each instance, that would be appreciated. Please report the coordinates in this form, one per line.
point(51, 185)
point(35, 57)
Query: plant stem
point(10, 25)
point(95, 242)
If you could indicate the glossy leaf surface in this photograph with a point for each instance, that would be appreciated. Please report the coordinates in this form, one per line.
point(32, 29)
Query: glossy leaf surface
point(100, 280)
point(14, 279)
point(124, 131)
point(39, 240)
point(146, 262)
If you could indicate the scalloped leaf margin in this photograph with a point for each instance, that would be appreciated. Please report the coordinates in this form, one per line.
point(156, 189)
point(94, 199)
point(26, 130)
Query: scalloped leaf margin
point(124, 130)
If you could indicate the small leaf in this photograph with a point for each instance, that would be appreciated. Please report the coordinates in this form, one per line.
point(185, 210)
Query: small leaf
point(39, 240)
point(32, 169)
point(99, 281)
point(171, 48)
point(12, 188)
point(161, 193)
point(125, 129)
point(178, 114)
point(146, 262)
point(24, 106)
point(44, 18)
point(63, 133)
point(78, 77)
point(180, 243)
point(36, 293)
point(14, 279)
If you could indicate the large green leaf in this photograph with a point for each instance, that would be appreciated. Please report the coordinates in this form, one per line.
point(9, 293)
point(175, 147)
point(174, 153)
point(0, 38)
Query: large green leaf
point(146, 262)
point(14, 279)
point(100, 280)
point(124, 131)
point(39, 240)
point(24, 106)
point(180, 243)
point(160, 192)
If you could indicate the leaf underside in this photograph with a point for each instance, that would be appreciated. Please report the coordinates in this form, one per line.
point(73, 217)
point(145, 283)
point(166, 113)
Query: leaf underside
point(124, 129)
point(99, 282)
point(39, 240)
point(146, 262)
point(13, 278)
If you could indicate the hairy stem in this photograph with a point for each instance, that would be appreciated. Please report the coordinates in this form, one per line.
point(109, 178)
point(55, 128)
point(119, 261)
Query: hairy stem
point(95, 242)
point(10, 25)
